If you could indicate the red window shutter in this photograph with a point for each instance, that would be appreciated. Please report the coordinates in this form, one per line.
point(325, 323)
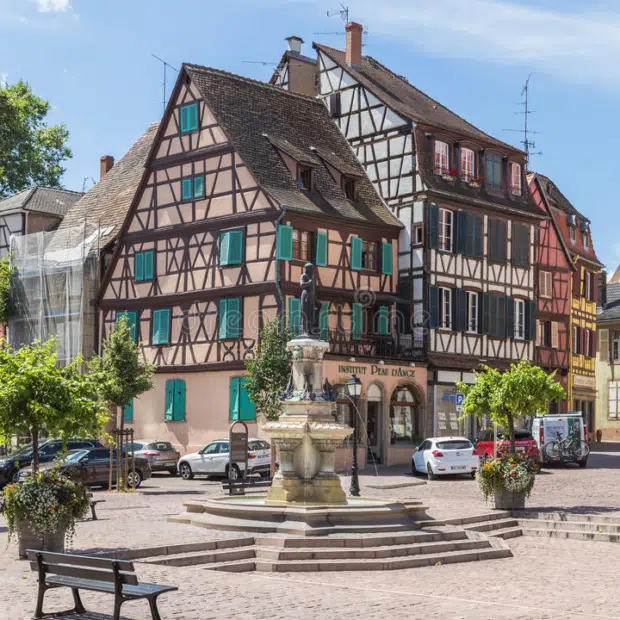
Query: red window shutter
point(584, 335)
point(593, 343)
point(577, 283)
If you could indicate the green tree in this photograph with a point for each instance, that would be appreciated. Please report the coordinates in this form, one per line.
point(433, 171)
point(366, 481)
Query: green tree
point(6, 272)
point(269, 371)
point(36, 395)
point(124, 374)
point(31, 152)
point(524, 390)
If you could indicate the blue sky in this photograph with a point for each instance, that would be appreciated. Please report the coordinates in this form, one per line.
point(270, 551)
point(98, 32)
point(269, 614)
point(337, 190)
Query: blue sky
point(92, 60)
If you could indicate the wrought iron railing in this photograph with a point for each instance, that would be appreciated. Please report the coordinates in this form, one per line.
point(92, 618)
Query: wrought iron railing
point(399, 346)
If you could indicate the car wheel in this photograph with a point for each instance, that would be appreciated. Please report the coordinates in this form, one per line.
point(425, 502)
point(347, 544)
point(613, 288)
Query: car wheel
point(134, 479)
point(186, 471)
point(473, 474)
point(233, 472)
point(429, 472)
point(15, 476)
point(172, 472)
point(582, 464)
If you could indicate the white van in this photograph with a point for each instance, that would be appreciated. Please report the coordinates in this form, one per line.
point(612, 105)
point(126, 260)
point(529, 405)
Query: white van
point(556, 427)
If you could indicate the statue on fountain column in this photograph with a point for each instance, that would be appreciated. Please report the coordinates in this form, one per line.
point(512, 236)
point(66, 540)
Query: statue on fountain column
point(310, 306)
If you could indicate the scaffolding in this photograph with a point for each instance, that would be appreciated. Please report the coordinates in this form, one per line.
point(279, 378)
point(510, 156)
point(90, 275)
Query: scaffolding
point(56, 274)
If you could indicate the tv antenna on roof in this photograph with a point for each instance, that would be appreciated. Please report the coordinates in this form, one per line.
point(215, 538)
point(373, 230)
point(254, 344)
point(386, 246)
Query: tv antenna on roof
point(342, 12)
point(528, 144)
point(166, 65)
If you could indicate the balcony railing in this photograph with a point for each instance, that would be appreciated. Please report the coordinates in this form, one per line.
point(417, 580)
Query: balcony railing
point(401, 346)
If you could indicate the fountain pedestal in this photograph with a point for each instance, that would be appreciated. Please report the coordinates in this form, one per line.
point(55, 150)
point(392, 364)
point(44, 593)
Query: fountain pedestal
point(306, 434)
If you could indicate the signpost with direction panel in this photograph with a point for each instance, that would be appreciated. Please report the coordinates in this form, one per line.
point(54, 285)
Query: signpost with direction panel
point(238, 450)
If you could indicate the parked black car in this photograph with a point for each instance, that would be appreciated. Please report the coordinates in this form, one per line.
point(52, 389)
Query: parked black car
point(48, 450)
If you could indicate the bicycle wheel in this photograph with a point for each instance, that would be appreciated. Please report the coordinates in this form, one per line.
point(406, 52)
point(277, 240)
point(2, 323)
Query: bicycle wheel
point(552, 449)
point(580, 449)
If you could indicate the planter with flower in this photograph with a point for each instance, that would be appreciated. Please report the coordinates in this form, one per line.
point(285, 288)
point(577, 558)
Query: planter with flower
point(475, 183)
point(37, 396)
point(449, 175)
point(522, 391)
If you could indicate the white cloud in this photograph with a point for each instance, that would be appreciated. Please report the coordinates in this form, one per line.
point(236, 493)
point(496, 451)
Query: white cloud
point(53, 6)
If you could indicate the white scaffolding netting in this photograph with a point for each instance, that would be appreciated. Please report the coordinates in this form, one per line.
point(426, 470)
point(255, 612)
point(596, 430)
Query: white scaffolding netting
point(54, 284)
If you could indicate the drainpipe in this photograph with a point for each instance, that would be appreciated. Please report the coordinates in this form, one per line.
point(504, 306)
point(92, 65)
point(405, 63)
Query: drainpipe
point(278, 285)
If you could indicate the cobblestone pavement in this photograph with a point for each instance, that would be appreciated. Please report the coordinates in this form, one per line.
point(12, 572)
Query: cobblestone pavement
point(546, 580)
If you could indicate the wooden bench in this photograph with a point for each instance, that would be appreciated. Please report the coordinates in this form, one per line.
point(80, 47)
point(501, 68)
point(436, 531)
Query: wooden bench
point(237, 487)
point(93, 503)
point(80, 572)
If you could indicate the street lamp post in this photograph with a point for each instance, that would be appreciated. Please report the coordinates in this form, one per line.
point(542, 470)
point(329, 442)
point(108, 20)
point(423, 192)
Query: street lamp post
point(354, 387)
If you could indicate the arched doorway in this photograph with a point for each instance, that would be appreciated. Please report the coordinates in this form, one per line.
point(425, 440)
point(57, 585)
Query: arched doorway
point(374, 422)
point(404, 416)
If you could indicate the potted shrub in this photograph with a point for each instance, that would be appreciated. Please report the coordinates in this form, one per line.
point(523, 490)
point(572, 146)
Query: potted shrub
point(37, 396)
point(522, 391)
point(43, 510)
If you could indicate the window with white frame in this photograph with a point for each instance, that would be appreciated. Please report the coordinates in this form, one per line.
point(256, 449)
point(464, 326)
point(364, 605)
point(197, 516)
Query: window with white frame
point(588, 344)
point(446, 307)
point(446, 230)
point(546, 284)
point(614, 400)
point(588, 285)
point(442, 157)
point(472, 312)
point(586, 240)
point(519, 318)
point(515, 178)
point(467, 165)
point(573, 234)
point(615, 346)
point(575, 340)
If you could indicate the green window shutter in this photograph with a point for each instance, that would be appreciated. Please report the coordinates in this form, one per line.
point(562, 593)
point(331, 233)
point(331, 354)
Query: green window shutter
point(235, 252)
point(461, 310)
point(223, 319)
point(502, 238)
point(433, 226)
point(230, 318)
point(294, 315)
point(386, 259)
point(224, 249)
point(179, 400)
point(234, 408)
point(433, 307)
point(189, 117)
point(132, 318)
point(149, 265)
point(170, 399)
point(384, 320)
point(199, 186)
point(128, 411)
point(530, 319)
point(285, 242)
point(321, 249)
point(483, 312)
point(138, 267)
point(478, 234)
point(247, 407)
point(460, 246)
point(356, 253)
point(510, 317)
point(357, 321)
point(183, 118)
point(324, 321)
point(161, 327)
point(186, 189)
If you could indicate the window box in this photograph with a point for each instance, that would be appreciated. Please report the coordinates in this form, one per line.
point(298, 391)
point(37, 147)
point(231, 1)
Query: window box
point(449, 175)
point(475, 183)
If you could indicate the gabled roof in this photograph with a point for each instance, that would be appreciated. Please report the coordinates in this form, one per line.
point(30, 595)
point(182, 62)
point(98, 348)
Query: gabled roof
point(560, 208)
point(408, 101)
point(48, 200)
point(259, 119)
point(611, 309)
point(107, 203)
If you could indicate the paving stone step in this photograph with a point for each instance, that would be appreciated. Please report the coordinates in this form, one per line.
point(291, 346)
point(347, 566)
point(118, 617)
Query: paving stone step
point(489, 526)
point(506, 533)
point(194, 559)
point(571, 534)
point(585, 526)
point(567, 516)
point(369, 553)
point(241, 566)
point(488, 516)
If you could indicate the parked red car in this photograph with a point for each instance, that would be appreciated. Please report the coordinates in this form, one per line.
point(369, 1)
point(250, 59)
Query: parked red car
point(525, 443)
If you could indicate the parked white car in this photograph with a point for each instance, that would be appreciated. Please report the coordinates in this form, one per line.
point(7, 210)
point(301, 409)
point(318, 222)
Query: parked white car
point(439, 456)
point(212, 460)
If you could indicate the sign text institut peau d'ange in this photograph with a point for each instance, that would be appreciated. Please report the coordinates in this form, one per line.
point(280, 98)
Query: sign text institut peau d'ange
point(377, 370)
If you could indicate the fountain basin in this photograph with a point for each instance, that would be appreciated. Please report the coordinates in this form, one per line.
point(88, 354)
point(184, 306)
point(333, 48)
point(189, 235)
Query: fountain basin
point(256, 514)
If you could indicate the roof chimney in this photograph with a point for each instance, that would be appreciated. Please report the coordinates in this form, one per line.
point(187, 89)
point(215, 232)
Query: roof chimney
point(107, 161)
point(294, 44)
point(354, 44)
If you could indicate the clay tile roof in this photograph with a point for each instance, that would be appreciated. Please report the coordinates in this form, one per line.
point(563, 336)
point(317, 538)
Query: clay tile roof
point(48, 200)
point(108, 202)
point(255, 116)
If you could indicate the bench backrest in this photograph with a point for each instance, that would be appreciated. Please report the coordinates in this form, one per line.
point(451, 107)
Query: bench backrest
point(83, 567)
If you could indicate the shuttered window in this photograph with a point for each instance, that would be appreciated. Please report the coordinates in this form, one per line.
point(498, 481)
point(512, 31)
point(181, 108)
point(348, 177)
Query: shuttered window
point(285, 242)
point(324, 321)
point(521, 245)
point(386, 259)
point(144, 266)
point(497, 316)
point(161, 327)
point(469, 234)
point(186, 189)
point(356, 253)
point(175, 400)
point(383, 320)
point(357, 321)
point(433, 305)
point(240, 406)
point(189, 117)
point(193, 187)
point(321, 249)
point(230, 318)
point(294, 315)
point(494, 171)
point(498, 240)
point(231, 248)
point(461, 310)
point(132, 322)
point(433, 226)
point(199, 186)
point(128, 411)
point(530, 319)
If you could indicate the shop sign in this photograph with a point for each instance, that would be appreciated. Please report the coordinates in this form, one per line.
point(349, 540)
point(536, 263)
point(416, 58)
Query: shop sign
point(378, 370)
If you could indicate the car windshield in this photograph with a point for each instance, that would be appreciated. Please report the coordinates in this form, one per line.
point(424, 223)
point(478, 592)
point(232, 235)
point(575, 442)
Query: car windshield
point(24, 450)
point(164, 446)
point(455, 444)
point(74, 456)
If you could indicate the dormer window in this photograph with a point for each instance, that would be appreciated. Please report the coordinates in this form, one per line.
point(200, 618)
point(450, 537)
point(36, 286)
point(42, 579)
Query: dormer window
point(586, 240)
point(304, 177)
point(348, 187)
point(515, 178)
point(573, 233)
point(494, 171)
point(442, 157)
point(467, 165)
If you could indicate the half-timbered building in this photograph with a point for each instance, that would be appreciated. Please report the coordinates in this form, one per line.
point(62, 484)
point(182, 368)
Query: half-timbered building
point(244, 184)
point(574, 229)
point(466, 261)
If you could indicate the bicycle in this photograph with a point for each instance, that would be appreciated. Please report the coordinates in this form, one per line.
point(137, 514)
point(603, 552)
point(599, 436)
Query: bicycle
point(567, 448)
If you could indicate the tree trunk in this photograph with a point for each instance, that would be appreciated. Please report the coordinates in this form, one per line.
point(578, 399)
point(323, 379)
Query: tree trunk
point(511, 427)
point(35, 450)
point(119, 456)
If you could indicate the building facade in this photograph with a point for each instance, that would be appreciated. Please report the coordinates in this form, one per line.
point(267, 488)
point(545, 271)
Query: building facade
point(244, 184)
